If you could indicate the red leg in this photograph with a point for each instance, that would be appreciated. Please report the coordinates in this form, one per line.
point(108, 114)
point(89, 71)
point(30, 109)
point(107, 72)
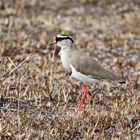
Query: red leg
point(84, 91)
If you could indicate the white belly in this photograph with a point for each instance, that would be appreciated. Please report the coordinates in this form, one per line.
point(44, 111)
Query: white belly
point(82, 77)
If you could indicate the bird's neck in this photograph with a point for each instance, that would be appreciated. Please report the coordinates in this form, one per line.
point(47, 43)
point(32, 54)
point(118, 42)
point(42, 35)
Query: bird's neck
point(65, 55)
point(64, 50)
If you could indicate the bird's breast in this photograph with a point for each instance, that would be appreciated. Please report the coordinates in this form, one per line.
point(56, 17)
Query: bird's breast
point(65, 61)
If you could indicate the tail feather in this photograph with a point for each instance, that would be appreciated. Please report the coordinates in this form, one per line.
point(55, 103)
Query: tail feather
point(121, 80)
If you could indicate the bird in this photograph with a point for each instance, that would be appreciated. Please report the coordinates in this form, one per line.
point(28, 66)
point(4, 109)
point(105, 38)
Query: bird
point(80, 66)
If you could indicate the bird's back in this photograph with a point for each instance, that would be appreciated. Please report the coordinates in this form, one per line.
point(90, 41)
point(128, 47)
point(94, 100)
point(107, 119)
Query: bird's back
point(89, 66)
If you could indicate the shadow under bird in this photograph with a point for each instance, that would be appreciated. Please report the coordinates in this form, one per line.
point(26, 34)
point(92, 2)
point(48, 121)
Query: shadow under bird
point(80, 66)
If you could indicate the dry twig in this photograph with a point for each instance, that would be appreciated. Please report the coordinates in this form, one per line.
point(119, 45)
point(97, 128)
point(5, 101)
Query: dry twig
point(26, 59)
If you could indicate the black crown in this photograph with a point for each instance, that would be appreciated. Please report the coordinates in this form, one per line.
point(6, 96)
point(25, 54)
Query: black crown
point(63, 37)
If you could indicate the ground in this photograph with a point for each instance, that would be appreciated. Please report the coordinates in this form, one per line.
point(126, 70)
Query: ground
point(39, 101)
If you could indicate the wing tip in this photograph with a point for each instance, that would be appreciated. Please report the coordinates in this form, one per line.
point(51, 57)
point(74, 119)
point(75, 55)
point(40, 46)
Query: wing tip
point(121, 81)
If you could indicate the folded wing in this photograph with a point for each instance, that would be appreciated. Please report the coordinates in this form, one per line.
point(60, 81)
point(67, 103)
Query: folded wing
point(89, 66)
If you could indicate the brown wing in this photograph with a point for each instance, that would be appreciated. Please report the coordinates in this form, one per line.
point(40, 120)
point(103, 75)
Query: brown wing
point(89, 66)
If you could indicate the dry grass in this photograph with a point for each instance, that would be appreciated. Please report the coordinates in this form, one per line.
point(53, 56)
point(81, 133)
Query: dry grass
point(38, 101)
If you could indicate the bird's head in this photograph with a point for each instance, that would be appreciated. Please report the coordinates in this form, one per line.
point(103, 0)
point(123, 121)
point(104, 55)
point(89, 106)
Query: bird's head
point(63, 41)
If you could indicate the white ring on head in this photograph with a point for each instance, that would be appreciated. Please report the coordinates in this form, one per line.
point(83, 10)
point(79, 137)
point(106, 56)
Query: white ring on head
point(63, 36)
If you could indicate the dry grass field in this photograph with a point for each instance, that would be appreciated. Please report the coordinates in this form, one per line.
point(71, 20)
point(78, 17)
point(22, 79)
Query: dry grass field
point(38, 101)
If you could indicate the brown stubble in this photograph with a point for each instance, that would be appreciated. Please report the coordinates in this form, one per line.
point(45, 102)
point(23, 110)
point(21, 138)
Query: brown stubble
point(43, 104)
